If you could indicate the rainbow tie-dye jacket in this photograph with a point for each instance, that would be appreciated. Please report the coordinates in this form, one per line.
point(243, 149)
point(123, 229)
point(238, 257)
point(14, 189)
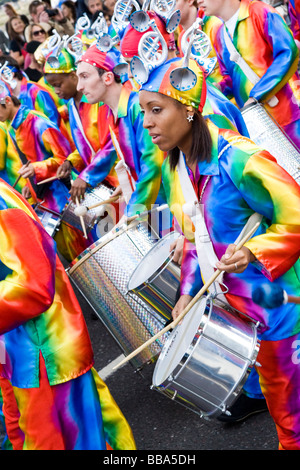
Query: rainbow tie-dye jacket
point(36, 97)
point(245, 180)
point(10, 161)
point(89, 115)
point(294, 12)
point(45, 146)
point(39, 312)
point(264, 40)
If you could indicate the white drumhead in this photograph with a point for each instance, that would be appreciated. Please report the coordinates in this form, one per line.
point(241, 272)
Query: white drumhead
point(178, 343)
point(152, 261)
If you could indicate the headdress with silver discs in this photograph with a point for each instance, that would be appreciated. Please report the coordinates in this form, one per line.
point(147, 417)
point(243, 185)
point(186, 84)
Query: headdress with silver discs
point(122, 12)
point(63, 55)
point(165, 9)
point(152, 52)
point(90, 30)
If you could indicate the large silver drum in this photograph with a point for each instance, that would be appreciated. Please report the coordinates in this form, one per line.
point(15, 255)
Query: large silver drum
point(101, 274)
point(207, 358)
point(156, 279)
point(267, 133)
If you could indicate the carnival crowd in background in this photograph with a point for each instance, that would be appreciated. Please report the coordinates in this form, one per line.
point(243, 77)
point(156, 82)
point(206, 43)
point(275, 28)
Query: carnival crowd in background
point(82, 110)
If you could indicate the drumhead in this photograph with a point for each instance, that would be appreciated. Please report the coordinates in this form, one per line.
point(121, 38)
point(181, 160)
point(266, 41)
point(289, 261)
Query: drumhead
point(178, 343)
point(152, 261)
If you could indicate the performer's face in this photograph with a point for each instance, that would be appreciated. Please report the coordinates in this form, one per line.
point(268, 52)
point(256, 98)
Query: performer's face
point(166, 121)
point(90, 83)
point(64, 84)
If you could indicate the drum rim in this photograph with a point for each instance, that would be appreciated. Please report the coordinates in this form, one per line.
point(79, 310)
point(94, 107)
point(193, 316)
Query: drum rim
point(169, 342)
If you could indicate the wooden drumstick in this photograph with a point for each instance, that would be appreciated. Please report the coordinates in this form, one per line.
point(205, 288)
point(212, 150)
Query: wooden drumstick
point(82, 210)
point(48, 180)
point(108, 201)
point(20, 176)
point(188, 307)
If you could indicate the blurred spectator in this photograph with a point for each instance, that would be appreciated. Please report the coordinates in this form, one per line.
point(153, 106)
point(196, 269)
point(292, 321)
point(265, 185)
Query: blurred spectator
point(40, 13)
point(109, 6)
point(68, 9)
point(16, 27)
point(10, 12)
point(37, 32)
point(34, 71)
point(90, 7)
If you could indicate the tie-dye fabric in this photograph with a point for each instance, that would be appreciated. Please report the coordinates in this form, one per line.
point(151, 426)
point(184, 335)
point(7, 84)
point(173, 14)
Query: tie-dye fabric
point(245, 180)
point(294, 13)
point(36, 97)
point(88, 115)
point(52, 321)
point(33, 426)
point(142, 157)
point(46, 344)
point(280, 380)
point(10, 161)
point(256, 38)
point(45, 146)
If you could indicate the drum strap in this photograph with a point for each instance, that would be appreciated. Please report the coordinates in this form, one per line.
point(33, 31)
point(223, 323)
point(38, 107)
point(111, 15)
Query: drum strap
point(125, 177)
point(236, 57)
point(205, 251)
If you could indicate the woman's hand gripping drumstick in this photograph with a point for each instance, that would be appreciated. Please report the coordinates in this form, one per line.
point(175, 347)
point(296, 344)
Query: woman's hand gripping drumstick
point(190, 304)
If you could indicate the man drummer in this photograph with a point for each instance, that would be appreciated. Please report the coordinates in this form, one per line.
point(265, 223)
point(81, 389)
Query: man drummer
point(141, 159)
point(256, 32)
point(87, 122)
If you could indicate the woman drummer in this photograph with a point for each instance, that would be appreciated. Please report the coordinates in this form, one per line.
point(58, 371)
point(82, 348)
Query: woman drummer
point(231, 179)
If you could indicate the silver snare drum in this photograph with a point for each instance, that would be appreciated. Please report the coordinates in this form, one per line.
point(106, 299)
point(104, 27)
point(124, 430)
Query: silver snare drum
point(99, 194)
point(207, 359)
point(101, 274)
point(156, 279)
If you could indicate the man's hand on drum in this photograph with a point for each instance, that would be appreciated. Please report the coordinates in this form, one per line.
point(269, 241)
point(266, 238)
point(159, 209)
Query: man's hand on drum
point(27, 171)
point(177, 246)
point(235, 262)
point(78, 189)
point(183, 302)
point(64, 170)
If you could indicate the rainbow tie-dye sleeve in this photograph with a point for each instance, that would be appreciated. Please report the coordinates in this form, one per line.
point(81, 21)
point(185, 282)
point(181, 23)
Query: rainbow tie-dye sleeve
point(245, 179)
point(20, 287)
point(38, 98)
